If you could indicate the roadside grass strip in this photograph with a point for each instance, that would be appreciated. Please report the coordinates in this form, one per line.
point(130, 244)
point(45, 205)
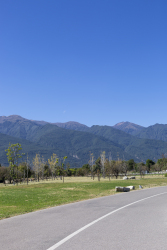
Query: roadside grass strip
point(21, 199)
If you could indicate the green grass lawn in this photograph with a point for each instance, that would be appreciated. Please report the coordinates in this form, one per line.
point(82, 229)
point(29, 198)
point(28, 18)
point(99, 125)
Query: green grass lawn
point(21, 199)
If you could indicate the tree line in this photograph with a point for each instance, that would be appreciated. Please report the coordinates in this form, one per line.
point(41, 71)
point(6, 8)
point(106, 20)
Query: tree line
point(106, 167)
point(38, 169)
point(56, 167)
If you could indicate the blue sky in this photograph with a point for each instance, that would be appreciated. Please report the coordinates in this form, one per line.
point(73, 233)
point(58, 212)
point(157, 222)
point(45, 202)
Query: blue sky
point(95, 62)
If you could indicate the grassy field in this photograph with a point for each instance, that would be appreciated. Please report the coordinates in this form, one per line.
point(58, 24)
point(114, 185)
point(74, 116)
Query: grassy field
point(15, 200)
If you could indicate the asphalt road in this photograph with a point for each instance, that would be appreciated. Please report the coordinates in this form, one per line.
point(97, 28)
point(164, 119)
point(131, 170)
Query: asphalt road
point(134, 220)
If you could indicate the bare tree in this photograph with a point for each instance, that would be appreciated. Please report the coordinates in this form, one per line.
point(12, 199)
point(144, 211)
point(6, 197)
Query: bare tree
point(108, 168)
point(103, 159)
point(91, 163)
point(124, 167)
point(37, 165)
point(27, 167)
point(52, 163)
point(97, 168)
point(62, 165)
point(141, 168)
point(116, 168)
point(42, 167)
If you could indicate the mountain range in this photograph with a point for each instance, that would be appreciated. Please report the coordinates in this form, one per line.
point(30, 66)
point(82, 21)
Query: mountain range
point(124, 140)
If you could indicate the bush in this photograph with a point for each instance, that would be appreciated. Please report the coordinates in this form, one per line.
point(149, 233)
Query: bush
point(80, 172)
point(165, 175)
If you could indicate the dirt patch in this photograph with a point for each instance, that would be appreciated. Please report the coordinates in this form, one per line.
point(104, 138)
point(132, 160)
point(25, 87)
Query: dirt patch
point(7, 206)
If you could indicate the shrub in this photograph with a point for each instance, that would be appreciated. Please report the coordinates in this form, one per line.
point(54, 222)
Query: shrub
point(165, 175)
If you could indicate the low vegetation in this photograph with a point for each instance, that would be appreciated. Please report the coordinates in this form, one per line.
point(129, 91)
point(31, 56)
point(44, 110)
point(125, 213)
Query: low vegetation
point(45, 184)
point(15, 200)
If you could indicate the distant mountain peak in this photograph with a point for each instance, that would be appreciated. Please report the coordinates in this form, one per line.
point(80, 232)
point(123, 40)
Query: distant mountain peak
point(72, 125)
point(128, 127)
point(11, 118)
point(120, 123)
point(130, 124)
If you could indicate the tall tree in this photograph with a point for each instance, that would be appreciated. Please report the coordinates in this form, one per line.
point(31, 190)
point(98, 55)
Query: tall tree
point(37, 165)
point(131, 164)
point(108, 168)
point(91, 163)
point(13, 155)
point(162, 163)
point(103, 159)
point(116, 168)
point(42, 166)
point(86, 169)
point(52, 163)
point(141, 168)
point(25, 170)
point(149, 163)
point(63, 164)
point(124, 167)
point(97, 168)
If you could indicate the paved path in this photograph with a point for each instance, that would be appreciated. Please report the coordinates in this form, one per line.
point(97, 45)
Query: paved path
point(134, 220)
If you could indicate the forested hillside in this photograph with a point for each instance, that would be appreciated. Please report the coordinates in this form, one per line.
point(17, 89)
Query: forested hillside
point(156, 132)
point(141, 149)
point(46, 138)
point(31, 149)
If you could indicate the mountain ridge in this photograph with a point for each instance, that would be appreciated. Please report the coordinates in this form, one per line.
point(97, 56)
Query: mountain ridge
point(78, 140)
